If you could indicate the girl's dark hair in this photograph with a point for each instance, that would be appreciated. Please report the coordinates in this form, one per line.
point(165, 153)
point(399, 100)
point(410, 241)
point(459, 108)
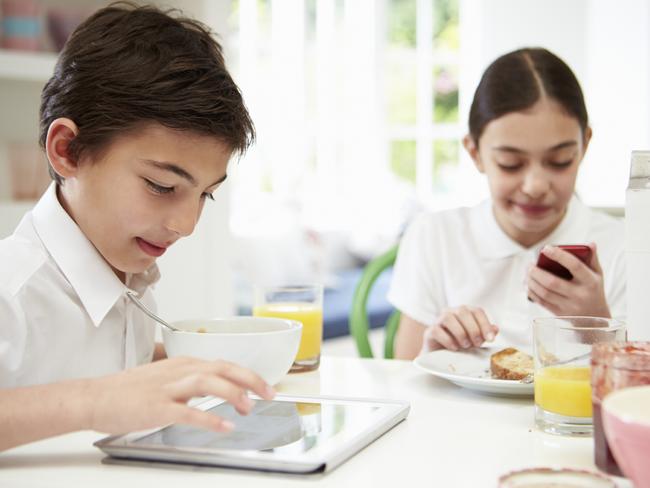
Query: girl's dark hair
point(127, 65)
point(517, 80)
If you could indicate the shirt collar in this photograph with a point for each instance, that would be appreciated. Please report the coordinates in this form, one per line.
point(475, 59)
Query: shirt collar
point(494, 243)
point(82, 265)
point(574, 228)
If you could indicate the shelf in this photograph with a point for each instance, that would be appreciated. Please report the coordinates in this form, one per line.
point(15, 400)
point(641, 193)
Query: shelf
point(26, 65)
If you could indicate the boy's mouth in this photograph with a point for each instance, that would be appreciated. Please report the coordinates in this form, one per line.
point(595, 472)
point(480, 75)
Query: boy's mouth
point(150, 248)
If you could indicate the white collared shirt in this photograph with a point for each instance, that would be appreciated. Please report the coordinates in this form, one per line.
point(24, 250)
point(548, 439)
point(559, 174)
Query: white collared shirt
point(462, 257)
point(63, 311)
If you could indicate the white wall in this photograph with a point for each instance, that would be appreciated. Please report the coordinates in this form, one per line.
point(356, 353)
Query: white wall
point(605, 42)
point(618, 95)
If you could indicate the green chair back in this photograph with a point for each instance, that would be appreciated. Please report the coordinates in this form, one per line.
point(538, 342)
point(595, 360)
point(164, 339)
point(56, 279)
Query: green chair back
point(359, 324)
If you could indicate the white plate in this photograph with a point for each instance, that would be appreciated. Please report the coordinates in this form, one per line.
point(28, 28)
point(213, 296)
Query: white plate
point(471, 369)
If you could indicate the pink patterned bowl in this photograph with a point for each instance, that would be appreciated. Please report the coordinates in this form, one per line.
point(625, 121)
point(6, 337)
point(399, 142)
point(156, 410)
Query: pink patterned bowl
point(626, 418)
point(554, 478)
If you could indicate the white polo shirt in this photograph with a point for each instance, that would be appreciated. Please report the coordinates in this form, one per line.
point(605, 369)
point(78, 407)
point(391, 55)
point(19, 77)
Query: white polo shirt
point(462, 257)
point(63, 311)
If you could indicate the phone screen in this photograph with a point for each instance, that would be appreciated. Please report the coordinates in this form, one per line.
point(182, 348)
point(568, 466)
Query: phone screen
point(582, 252)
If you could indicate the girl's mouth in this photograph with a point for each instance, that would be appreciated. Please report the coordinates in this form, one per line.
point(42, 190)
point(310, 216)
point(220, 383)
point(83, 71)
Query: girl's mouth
point(533, 210)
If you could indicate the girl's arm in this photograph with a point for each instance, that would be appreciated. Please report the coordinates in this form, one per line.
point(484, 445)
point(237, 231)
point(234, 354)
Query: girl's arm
point(408, 342)
point(456, 329)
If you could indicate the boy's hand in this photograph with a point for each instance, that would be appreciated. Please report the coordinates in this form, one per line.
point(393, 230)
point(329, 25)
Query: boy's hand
point(459, 328)
point(156, 394)
point(583, 295)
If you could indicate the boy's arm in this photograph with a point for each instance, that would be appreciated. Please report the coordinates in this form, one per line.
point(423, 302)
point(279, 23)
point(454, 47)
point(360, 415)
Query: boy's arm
point(36, 412)
point(148, 396)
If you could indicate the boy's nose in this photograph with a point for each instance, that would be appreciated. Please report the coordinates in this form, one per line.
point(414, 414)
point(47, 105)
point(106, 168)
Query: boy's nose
point(183, 221)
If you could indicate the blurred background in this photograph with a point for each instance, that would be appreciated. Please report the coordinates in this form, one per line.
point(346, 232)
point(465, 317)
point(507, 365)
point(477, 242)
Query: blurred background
point(360, 106)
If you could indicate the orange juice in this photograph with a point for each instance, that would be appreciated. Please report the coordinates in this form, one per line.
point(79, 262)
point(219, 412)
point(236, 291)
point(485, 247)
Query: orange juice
point(564, 390)
point(311, 317)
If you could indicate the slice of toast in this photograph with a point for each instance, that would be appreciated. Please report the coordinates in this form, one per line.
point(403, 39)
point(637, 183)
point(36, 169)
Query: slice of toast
point(511, 364)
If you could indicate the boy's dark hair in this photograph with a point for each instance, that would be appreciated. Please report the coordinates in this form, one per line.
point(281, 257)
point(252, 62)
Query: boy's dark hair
point(128, 65)
point(517, 80)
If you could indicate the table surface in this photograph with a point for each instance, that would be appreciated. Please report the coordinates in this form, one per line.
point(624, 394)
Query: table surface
point(452, 437)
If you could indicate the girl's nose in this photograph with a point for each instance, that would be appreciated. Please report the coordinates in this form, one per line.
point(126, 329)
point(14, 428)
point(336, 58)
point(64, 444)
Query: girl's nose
point(536, 184)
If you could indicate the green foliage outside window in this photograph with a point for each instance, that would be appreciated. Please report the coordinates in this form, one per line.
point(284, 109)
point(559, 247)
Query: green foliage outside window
point(445, 25)
point(402, 160)
point(401, 84)
point(445, 154)
point(401, 23)
point(445, 94)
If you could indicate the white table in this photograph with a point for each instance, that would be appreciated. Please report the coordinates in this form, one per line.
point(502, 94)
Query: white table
point(452, 437)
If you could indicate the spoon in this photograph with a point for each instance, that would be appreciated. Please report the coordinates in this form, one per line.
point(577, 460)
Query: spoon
point(530, 378)
point(134, 298)
point(570, 360)
point(551, 360)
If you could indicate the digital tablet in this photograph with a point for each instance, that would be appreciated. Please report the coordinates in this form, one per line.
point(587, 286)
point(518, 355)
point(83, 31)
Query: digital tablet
point(294, 434)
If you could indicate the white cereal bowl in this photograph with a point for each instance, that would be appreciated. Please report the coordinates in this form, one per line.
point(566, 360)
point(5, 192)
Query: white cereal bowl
point(267, 346)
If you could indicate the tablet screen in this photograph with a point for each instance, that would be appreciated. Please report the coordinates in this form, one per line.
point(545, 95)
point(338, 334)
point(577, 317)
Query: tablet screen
point(283, 427)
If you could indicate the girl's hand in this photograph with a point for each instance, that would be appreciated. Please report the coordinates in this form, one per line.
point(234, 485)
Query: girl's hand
point(156, 394)
point(583, 295)
point(459, 328)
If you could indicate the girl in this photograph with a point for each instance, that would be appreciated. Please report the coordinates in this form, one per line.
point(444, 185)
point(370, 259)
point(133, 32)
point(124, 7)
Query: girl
point(468, 275)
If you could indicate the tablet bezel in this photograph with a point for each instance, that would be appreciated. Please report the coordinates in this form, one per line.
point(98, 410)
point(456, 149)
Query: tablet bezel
point(332, 452)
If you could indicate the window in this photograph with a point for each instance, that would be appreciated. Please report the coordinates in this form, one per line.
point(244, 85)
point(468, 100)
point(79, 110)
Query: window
point(356, 108)
point(422, 90)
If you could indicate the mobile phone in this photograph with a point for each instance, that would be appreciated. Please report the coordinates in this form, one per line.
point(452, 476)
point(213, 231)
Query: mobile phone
point(582, 252)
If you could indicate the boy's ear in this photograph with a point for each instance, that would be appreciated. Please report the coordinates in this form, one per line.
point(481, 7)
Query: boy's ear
point(61, 132)
point(472, 150)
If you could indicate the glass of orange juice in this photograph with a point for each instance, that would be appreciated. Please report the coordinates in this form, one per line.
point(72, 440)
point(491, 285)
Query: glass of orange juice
point(301, 303)
point(562, 350)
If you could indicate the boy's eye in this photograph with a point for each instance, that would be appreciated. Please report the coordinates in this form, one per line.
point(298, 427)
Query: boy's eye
point(208, 195)
point(156, 188)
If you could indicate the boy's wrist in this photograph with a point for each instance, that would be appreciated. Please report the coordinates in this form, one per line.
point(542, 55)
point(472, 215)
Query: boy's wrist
point(82, 403)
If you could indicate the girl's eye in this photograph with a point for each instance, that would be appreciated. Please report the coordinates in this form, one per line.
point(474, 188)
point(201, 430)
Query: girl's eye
point(156, 188)
point(207, 195)
point(509, 168)
point(560, 164)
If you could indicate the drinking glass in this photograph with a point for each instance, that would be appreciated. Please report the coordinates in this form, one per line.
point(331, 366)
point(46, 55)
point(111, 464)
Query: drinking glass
point(301, 303)
point(562, 351)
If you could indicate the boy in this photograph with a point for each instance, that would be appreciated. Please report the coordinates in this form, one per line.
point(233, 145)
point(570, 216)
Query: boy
point(138, 123)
